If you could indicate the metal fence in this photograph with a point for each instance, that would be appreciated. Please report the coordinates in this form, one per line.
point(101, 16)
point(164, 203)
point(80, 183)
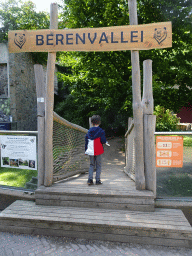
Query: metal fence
point(176, 181)
point(169, 179)
point(68, 149)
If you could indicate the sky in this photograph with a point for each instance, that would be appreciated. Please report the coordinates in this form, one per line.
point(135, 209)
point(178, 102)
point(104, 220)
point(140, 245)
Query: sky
point(41, 5)
point(44, 5)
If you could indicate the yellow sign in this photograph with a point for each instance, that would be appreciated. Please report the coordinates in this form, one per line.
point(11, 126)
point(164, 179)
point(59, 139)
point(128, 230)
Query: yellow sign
point(140, 37)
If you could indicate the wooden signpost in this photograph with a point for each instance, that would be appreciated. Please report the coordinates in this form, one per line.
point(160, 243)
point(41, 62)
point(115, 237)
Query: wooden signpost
point(133, 37)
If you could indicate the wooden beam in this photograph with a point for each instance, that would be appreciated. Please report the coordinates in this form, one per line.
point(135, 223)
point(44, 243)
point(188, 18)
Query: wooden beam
point(40, 88)
point(119, 38)
point(50, 104)
point(137, 106)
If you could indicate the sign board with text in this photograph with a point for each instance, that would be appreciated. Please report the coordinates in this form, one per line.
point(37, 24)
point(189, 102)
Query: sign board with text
point(119, 38)
point(18, 152)
point(169, 151)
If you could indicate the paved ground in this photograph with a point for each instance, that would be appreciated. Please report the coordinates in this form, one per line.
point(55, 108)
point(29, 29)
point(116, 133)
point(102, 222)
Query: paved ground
point(23, 245)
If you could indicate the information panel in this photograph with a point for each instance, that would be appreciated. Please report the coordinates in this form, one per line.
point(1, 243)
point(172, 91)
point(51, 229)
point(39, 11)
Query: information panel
point(18, 152)
point(169, 151)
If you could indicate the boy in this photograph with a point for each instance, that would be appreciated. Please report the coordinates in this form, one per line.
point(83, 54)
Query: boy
point(94, 140)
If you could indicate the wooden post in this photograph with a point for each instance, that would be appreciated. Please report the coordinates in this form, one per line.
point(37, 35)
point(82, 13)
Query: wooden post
point(50, 103)
point(90, 124)
point(40, 88)
point(147, 100)
point(149, 128)
point(149, 149)
point(137, 107)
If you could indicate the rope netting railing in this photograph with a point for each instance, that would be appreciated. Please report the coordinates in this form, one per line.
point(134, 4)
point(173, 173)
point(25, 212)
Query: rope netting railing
point(68, 149)
point(129, 168)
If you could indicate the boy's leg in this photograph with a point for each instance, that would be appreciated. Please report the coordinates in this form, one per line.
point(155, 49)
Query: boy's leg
point(98, 168)
point(91, 168)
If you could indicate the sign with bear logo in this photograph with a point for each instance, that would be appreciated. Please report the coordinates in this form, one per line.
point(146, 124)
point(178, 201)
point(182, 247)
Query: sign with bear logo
point(119, 38)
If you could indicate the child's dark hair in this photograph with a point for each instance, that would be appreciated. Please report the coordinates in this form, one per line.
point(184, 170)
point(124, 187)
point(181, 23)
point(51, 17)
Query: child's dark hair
point(96, 120)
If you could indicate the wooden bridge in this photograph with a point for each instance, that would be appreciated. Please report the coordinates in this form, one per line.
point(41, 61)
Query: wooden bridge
point(113, 211)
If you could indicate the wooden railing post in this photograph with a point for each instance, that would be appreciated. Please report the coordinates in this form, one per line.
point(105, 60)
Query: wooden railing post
point(40, 88)
point(129, 147)
point(147, 99)
point(90, 124)
point(149, 128)
point(137, 106)
point(48, 180)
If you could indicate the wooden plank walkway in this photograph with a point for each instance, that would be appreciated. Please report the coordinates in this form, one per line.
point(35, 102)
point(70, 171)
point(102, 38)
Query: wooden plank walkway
point(167, 227)
point(117, 191)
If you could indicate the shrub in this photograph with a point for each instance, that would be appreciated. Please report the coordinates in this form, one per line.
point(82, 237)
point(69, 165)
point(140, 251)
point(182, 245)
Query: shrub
point(165, 120)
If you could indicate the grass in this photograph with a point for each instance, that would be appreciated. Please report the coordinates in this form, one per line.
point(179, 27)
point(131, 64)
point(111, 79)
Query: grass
point(187, 141)
point(16, 177)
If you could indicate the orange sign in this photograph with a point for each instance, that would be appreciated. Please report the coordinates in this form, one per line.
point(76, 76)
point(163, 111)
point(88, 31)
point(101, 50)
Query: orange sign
point(169, 151)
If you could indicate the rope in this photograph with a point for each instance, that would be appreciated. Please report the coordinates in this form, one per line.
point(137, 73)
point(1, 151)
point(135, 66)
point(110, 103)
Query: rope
point(69, 156)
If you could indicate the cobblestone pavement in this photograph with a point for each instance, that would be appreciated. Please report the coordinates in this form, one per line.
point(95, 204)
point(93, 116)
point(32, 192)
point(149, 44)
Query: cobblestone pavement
point(27, 245)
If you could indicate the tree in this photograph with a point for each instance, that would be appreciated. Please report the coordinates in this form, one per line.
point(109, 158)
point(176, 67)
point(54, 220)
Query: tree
point(18, 15)
point(171, 67)
point(101, 81)
point(165, 120)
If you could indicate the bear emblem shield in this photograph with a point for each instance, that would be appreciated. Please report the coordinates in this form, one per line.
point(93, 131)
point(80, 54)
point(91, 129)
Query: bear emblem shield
point(19, 39)
point(160, 34)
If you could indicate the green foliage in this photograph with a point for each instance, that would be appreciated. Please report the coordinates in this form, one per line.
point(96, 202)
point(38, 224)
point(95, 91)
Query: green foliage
point(5, 106)
point(16, 177)
point(172, 66)
point(100, 82)
point(18, 15)
point(165, 120)
point(13, 17)
point(187, 141)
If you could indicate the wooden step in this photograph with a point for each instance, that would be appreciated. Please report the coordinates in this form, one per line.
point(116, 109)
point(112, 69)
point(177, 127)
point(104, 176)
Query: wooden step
point(167, 227)
point(97, 197)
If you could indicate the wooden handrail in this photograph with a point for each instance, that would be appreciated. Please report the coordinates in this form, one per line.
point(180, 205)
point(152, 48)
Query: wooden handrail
point(62, 121)
point(129, 129)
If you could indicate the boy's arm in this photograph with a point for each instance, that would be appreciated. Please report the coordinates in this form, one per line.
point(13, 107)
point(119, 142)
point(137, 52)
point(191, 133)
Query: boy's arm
point(86, 141)
point(103, 138)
